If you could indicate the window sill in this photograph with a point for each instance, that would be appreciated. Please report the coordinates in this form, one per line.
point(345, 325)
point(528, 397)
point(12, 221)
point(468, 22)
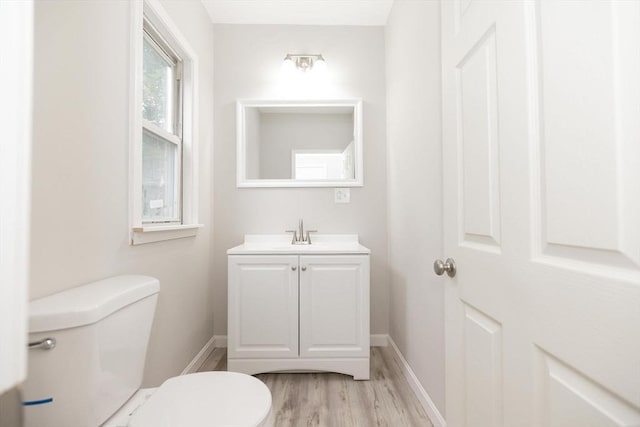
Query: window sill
point(159, 233)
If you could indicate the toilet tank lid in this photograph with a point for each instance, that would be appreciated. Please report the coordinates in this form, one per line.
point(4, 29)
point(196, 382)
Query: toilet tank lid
point(89, 303)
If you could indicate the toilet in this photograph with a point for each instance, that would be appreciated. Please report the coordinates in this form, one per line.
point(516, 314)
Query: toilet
point(86, 359)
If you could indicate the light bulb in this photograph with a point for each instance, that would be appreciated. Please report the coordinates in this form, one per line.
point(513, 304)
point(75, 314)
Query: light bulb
point(288, 66)
point(320, 66)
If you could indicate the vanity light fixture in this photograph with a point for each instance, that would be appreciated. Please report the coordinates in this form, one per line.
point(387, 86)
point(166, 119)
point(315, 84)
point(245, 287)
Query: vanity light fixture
point(304, 62)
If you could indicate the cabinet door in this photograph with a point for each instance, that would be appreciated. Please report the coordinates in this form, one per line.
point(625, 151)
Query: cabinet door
point(334, 306)
point(263, 306)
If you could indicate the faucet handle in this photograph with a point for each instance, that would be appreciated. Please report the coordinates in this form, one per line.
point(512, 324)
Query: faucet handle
point(308, 239)
point(294, 239)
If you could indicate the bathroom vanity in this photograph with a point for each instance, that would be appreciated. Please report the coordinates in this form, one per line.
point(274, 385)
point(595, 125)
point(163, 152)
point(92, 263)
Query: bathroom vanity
point(299, 307)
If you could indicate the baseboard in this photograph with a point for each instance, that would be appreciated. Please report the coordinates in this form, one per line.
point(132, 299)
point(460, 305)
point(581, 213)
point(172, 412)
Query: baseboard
point(377, 340)
point(220, 341)
point(425, 400)
point(202, 355)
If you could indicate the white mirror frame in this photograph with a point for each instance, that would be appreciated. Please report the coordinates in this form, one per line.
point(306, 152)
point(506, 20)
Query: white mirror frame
point(243, 182)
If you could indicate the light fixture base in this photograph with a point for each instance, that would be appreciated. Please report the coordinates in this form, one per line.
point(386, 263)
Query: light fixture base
point(304, 62)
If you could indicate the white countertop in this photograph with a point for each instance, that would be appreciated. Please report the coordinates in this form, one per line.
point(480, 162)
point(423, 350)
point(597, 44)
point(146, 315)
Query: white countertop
point(280, 244)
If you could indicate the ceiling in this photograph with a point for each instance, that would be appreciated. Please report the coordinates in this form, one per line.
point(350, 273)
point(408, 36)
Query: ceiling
point(299, 12)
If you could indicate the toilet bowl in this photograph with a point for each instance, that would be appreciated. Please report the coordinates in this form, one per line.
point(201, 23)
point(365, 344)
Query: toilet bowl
point(202, 399)
point(199, 400)
point(87, 358)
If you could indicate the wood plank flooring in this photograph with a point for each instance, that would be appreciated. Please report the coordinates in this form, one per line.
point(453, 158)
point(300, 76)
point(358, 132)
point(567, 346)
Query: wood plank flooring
point(335, 400)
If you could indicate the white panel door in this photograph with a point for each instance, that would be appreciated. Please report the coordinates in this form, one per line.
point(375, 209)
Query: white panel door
point(334, 306)
point(263, 306)
point(541, 134)
point(16, 57)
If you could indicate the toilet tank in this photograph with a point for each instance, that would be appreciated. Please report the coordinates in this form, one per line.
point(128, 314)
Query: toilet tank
point(101, 331)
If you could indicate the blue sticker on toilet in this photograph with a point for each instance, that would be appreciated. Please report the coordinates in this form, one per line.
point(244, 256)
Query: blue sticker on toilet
point(37, 402)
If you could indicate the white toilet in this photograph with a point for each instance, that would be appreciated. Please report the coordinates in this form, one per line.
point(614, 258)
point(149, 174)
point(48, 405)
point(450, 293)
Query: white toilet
point(91, 377)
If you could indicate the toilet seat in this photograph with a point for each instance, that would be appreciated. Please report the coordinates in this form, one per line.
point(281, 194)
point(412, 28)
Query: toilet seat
point(206, 399)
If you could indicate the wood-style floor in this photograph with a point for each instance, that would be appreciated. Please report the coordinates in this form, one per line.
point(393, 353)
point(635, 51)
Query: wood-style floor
point(335, 400)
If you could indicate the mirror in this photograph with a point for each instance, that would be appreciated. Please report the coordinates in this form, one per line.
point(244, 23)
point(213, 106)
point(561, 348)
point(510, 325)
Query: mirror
point(299, 143)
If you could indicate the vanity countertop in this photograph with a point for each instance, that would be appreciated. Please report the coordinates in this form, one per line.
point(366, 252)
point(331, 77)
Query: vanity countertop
point(280, 244)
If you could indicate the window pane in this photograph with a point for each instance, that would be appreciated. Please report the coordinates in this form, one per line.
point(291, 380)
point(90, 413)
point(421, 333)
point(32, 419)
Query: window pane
point(160, 194)
point(158, 87)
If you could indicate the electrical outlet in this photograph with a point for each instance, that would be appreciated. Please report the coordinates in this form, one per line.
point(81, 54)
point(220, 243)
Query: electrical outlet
point(342, 195)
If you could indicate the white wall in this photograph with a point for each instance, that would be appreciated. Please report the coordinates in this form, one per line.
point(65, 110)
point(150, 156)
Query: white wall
point(414, 189)
point(248, 62)
point(80, 171)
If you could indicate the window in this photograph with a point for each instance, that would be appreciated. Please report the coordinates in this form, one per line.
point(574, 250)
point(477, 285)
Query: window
point(161, 131)
point(163, 165)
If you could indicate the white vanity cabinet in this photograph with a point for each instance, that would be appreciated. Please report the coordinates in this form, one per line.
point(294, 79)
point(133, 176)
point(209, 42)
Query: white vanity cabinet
point(263, 306)
point(334, 306)
point(307, 310)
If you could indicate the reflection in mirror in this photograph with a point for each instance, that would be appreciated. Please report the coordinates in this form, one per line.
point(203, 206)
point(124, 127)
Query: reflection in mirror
point(298, 144)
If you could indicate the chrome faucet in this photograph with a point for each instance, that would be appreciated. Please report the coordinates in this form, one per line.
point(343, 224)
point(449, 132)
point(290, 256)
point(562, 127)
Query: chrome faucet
point(300, 231)
point(299, 235)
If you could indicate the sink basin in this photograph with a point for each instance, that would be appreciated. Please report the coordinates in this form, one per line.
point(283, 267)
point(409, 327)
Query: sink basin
point(279, 244)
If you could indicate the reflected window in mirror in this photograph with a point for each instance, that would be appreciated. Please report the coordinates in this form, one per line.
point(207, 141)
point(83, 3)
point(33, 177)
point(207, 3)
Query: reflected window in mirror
point(322, 164)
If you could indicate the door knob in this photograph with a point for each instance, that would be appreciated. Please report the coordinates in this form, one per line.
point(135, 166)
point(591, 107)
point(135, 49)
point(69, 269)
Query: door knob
point(440, 267)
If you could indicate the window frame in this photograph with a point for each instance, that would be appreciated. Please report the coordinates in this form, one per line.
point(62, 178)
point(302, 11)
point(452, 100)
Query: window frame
point(148, 18)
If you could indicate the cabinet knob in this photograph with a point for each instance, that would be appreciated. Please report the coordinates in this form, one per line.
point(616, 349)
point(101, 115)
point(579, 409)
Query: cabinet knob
point(294, 267)
point(304, 268)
